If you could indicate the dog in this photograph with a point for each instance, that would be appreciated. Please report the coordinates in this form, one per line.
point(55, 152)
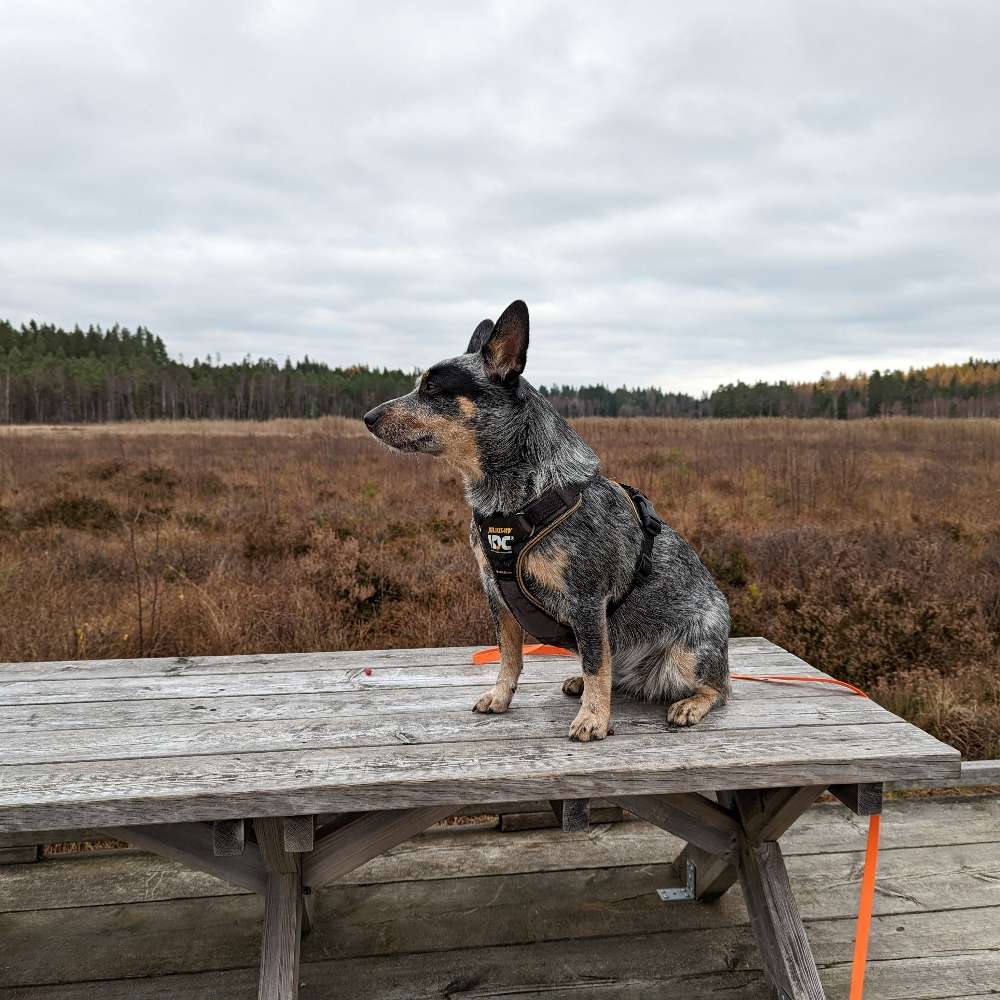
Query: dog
point(664, 637)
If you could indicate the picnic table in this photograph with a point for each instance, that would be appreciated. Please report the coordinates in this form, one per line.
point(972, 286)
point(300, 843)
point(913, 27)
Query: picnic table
point(282, 773)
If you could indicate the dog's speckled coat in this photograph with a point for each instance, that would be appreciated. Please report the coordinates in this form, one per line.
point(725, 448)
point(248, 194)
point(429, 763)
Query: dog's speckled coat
point(669, 640)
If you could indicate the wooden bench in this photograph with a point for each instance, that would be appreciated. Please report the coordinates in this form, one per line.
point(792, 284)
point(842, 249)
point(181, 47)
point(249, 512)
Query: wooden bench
point(283, 773)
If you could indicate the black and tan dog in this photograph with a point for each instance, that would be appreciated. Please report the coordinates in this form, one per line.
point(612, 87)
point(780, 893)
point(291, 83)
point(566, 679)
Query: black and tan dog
point(667, 640)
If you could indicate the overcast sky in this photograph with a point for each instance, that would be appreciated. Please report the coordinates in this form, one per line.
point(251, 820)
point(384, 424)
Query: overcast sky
point(684, 194)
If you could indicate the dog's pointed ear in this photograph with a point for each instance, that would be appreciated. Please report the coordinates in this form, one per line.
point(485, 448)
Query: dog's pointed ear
point(507, 348)
point(479, 336)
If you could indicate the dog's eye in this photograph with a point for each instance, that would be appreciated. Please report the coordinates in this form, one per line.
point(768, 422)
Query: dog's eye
point(432, 388)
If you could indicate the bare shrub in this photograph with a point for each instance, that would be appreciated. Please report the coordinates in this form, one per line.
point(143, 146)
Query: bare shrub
point(870, 549)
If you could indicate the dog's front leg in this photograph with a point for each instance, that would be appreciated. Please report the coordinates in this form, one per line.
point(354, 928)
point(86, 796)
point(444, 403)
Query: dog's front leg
point(510, 636)
point(593, 720)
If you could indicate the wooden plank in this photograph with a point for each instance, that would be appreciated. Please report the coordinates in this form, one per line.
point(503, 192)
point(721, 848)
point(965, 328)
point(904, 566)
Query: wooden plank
point(975, 774)
point(297, 832)
point(228, 838)
point(195, 788)
point(825, 830)
point(780, 808)
point(599, 912)
point(765, 815)
point(332, 679)
point(456, 724)
point(32, 838)
point(573, 815)
point(955, 975)
point(714, 874)
point(365, 838)
point(691, 816)
point(776, 923)
point(862, 800)
point(518, 822)
point(282, 937)
point(744, 653)
point(322, 706)
point(106, 730)
point(282, 933)
point(910, 878)
point(270, 835)
point(27, 854)
point(192, 844)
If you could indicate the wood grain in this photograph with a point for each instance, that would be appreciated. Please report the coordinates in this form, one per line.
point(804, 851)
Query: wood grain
point(193, 844)
point(364, 838)
point(373, 699)
point(776, 923)
point(690, 816)
point(573, 815)
point(862, 800)
point(113, 687)
point(228, 838)
point(421, 724)
point(92, 750)
point(195, 788)
point(743, 651)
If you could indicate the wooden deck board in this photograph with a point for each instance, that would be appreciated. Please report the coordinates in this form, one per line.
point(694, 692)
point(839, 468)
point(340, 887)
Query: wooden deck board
point(825, 829)
point(468, 926)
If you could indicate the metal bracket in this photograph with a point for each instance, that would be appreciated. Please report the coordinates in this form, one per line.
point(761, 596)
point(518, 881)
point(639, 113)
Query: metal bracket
point(685, 892)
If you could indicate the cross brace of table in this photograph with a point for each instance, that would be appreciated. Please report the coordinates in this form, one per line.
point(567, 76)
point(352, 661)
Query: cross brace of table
point(733, 838)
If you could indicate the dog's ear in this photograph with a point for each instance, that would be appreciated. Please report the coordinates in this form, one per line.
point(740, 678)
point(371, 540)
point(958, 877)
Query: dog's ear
point(479, 336)
point(507, 348)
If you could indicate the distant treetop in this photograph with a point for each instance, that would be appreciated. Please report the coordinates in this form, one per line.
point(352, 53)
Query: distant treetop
point(52, 375)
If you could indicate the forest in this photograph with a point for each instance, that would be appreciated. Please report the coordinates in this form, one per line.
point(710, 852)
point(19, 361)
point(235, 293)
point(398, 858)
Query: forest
point(50, 375)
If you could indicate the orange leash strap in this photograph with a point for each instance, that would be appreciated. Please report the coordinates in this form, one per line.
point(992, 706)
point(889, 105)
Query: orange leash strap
point(862, 931)
point(864, 925)
point(795, 679)
point(492, 653)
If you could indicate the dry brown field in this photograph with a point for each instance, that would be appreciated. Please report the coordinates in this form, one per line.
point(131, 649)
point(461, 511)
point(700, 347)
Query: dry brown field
point(871, 549)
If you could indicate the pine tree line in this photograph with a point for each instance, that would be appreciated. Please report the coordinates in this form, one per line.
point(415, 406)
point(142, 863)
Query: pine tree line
point(51, 375)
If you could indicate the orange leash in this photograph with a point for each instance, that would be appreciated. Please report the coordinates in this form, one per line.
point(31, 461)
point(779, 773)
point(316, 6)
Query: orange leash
point(863, 927)
point(492, 653)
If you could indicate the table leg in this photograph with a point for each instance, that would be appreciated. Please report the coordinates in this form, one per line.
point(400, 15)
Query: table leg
point(283, 914)
point(776, 924)
point(765, 814)
point(279, 950)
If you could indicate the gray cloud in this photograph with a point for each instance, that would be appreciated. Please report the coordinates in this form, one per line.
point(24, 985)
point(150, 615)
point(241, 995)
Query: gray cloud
point(683, 197)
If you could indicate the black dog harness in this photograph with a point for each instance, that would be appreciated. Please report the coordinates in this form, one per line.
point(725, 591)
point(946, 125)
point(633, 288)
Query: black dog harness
point(507, 538)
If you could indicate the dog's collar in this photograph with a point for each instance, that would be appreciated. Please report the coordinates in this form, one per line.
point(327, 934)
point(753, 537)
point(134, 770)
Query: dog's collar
point(541, 509)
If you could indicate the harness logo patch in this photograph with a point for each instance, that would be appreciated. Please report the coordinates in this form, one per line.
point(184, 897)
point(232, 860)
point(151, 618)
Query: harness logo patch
point(500, 538)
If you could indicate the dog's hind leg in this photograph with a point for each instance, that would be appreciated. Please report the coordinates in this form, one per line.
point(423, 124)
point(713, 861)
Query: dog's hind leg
point(573, 686)
point(509, 638)
point(705, 672)
point(688, 711)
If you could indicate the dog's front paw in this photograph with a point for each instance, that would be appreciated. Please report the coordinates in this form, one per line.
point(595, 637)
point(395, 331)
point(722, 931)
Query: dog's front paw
point(494, 702)
point(589, 726)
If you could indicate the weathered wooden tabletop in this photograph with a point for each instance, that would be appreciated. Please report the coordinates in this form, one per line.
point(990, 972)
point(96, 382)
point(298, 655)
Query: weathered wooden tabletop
point(120, 742)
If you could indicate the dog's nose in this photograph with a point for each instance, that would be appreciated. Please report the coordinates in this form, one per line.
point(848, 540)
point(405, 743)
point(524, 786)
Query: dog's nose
point(371, 417)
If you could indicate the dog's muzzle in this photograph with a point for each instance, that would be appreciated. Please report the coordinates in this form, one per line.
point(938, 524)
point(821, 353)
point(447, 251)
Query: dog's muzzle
point(373, 416)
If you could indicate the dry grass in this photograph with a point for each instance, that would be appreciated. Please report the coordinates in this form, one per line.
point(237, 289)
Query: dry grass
point(871, 549)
